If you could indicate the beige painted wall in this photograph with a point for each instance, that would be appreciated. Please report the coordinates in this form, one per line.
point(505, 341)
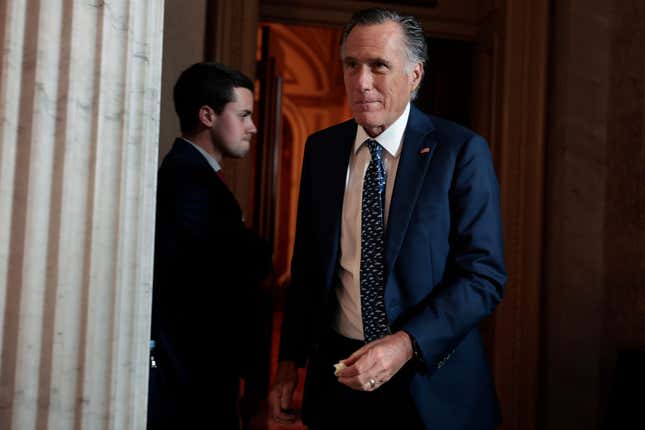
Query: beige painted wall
point(183, 45)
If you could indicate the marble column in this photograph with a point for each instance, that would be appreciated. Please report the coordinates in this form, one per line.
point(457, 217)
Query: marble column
point(79, 121)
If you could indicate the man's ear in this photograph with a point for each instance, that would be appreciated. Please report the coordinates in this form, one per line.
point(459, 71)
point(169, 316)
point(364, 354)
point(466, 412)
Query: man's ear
point(207, 116)
point(415, 76)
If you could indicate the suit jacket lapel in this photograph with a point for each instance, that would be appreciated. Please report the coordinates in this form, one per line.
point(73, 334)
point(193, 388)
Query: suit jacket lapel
point(184, 149)
point(418, 148)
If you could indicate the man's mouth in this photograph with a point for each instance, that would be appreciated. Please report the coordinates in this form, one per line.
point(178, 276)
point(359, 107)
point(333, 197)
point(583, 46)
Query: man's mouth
point(365, 104)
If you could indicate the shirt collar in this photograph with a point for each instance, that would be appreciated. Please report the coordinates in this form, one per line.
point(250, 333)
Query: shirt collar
point(212, 161)
point(391, 138)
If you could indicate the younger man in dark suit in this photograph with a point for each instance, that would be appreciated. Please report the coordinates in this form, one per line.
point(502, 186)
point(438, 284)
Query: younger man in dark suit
point(208, 265)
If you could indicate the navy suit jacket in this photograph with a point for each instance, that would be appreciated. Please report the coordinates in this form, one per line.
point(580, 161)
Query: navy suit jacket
point(444, 264)
point(207, 271)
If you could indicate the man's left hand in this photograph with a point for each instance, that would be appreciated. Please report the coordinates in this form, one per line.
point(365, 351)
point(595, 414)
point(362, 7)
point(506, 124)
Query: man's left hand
point(375, 363)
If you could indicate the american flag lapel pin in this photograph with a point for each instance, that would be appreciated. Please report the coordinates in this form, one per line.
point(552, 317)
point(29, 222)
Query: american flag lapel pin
point(424, 150)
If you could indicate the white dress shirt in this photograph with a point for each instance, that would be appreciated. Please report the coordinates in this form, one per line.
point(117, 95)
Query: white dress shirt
point(348, 321)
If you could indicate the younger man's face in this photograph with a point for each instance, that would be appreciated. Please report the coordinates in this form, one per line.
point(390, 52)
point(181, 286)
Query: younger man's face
point(234, 128)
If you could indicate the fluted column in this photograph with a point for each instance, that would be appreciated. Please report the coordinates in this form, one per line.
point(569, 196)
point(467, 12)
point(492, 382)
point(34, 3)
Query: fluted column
point(79, 113)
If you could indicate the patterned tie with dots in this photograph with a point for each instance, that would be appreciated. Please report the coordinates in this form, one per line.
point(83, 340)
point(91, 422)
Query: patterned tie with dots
point(372, 247)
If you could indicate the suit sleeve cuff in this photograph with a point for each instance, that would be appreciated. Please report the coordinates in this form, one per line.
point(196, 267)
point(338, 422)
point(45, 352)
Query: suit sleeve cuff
point(417, 355)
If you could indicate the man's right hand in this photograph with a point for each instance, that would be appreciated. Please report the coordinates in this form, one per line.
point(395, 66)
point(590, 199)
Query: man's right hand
point(281, 393)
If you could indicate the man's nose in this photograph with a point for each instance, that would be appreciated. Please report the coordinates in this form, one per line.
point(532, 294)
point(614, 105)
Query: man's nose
point(253, 129)
point(364, 79)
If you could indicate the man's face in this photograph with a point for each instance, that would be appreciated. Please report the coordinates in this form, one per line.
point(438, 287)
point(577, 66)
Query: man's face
point(374, 69)
point(233, 128)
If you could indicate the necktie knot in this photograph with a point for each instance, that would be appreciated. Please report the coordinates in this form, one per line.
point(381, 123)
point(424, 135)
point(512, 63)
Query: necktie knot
point(376, 150)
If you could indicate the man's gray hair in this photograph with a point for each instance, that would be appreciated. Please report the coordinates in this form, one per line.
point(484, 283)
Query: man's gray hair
point(416, 49)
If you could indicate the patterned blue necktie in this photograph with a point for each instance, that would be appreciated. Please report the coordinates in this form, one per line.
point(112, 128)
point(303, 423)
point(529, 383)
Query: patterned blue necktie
point(372, 247)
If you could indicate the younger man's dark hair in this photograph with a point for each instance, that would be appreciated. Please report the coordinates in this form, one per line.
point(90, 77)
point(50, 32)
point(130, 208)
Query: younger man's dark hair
point(209, 84)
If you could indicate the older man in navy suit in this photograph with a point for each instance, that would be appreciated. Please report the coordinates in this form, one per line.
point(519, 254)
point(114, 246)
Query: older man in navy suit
point(208, 265)
point(398, 254)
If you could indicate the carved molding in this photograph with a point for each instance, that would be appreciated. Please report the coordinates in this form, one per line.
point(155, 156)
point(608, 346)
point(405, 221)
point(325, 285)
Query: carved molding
point(454, 19)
